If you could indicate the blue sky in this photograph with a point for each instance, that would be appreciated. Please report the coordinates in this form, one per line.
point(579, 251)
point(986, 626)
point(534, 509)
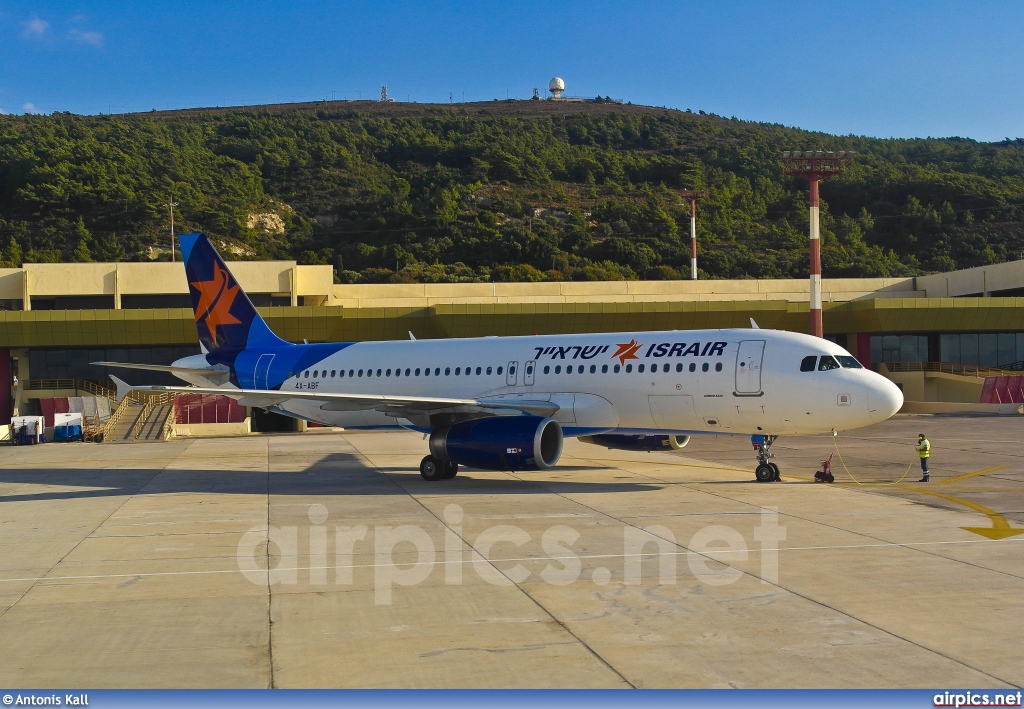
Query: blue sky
point(884, 69)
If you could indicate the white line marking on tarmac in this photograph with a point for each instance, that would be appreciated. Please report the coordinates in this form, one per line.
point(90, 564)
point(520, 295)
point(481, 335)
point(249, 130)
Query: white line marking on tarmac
point(477, 558)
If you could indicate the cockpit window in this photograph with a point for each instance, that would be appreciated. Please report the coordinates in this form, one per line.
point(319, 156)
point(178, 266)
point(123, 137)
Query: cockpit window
point(849, 362)
point(807, 363)
point(827, 362)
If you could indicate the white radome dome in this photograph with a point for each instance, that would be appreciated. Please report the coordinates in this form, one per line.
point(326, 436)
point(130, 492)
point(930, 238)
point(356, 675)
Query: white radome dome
point(556, 84)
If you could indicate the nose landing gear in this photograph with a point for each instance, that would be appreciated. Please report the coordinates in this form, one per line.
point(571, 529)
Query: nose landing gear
point(766, 471)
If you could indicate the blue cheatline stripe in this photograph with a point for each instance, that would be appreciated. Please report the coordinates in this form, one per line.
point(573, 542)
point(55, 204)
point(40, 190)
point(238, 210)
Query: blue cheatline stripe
point(537, 699)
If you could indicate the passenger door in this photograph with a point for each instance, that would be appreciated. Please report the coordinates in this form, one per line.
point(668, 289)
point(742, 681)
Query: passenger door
point(511, 374)
point(528, 373)
point(261, 377)
point(748, 368)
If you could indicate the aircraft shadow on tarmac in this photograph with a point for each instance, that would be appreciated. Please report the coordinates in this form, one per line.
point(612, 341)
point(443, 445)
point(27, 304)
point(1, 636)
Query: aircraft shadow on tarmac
point(334, 474)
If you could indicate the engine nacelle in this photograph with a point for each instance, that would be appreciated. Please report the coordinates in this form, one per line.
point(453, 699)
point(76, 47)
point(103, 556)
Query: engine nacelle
point(638, 443)
point(500, 443)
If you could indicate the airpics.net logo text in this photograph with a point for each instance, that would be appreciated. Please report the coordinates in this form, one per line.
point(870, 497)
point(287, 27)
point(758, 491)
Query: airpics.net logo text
point(500, 555)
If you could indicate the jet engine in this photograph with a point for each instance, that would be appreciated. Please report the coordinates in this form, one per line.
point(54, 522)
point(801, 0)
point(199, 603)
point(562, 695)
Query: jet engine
point(638, 443)
point(500, 443)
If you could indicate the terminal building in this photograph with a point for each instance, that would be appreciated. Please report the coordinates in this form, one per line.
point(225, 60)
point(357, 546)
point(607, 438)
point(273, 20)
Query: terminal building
point(939, 336)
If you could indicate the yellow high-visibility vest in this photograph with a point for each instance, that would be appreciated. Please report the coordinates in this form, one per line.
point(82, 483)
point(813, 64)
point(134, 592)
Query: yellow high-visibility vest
point(924, 448)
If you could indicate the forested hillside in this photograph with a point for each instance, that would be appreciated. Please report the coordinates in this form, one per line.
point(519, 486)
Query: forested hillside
point(504, 191)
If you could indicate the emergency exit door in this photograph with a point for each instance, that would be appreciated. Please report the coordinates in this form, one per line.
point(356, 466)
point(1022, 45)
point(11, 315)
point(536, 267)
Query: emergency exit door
point(528, 373)
point(748, 368)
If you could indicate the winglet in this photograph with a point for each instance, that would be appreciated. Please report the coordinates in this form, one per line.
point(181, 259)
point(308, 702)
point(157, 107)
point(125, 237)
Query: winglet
point(123, 387)
point(411, 336)
point(754, 324)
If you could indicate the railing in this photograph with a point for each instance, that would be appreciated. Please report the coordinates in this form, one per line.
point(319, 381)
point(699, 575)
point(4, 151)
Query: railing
point(151, 402)
point(115, 416)
point(39, 384)
point(168, 427)
point(96, 389)
point(963, 370)
point(87, 385)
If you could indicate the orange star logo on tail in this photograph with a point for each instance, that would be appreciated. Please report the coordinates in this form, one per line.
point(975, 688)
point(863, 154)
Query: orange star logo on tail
point(627, 351)
point(215, 300)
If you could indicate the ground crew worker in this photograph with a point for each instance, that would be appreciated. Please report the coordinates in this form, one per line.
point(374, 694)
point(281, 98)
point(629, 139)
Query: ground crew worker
point(924, 449)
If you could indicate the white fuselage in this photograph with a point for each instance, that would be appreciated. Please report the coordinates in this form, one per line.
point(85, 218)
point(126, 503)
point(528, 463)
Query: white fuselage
point(689, 381)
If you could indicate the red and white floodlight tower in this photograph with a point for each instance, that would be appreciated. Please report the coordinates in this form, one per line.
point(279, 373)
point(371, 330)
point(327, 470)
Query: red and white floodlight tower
point(815, 165)
point(693, 196)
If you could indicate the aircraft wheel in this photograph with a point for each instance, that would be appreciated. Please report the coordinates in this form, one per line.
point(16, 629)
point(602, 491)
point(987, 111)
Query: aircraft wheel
point(831, 478)
point(764, 473)
point(778, 475)
point(432, 469)
point(451, 470)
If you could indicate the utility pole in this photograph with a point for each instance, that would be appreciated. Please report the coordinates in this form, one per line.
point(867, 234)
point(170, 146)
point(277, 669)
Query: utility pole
point(815, 165)
point(172, 204)
point(693, 196)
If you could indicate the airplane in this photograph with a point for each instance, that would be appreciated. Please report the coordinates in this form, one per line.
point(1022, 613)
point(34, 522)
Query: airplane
point(507, 403)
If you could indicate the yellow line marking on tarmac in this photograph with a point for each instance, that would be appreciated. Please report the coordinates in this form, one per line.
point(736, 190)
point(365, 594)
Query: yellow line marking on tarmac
point(958, 478)
point(1000, 528)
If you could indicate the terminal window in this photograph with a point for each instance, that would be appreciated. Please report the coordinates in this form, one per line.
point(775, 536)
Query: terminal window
point(74, 363)
point(983, 349)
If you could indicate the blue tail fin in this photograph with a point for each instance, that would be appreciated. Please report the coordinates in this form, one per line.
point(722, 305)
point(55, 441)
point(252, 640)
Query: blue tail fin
point(225, 317)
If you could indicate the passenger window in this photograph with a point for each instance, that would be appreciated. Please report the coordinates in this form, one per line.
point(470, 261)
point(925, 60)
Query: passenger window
point(488, 370)
point(499, 371)
point(547, 369)
point(617, 368)
point(693, 366)
point(593, 368)
point(360, 372)
point(398, 372)
point(426, 372)
point(640, 369)
point(437, 371)
point(332, 373)
point(849, 362)
point(417, 371)
point(478, 371)
point(369, 372)
point(351, 372)
point(807, 363)
point(469, 370)
point(389, 372)
point(447, 371)
point(305, 374)
point(827, 363)
point(568, 370)
point(679, 367)
point(718, 366)
point(558, 369)
point(342, 373)
point(378, 372)
point(604, 369)
point(315, 372)
point(704, 367)
point(629, 368)
point(458, 371)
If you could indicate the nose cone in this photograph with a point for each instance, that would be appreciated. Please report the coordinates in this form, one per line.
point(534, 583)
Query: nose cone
point(884, 399)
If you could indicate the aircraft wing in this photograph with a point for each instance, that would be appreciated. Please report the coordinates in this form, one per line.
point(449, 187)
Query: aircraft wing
point(264, 398)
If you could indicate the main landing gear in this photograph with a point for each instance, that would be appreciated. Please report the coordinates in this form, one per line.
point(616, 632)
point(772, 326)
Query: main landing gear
point(433, 469)
point(766, 471)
